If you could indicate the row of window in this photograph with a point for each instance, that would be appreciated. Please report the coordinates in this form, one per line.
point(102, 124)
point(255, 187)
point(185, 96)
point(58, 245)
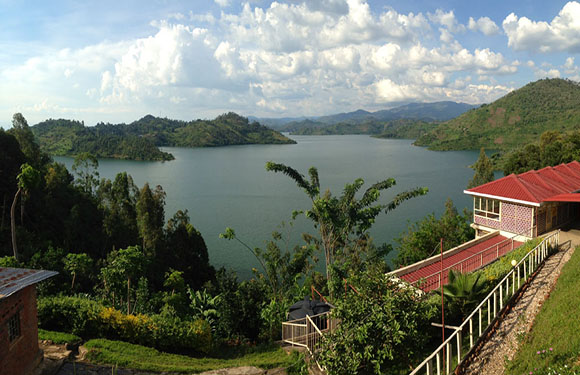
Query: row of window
point(485, 207)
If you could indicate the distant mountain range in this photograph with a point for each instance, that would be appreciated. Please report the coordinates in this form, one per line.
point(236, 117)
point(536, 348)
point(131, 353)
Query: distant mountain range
point(365, 122)
point(140, 139)
point(514, 120)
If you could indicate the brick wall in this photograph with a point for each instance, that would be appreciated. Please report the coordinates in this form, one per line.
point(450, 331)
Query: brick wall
point(21, 355)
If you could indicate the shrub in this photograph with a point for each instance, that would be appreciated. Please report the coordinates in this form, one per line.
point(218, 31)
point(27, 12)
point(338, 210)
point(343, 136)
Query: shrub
point(90, 319)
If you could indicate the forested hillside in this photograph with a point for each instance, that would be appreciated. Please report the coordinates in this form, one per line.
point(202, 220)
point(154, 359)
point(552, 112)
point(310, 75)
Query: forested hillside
point(514, 120)
point(140, 139)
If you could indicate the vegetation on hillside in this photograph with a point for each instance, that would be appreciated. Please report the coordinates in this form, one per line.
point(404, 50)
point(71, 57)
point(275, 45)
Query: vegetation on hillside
point(553, 344)
point(483, 170)
point(408, 129)
point(140, 139)
point(551, 149)
point(512, 121)
point(126, 273)
point(422, 238)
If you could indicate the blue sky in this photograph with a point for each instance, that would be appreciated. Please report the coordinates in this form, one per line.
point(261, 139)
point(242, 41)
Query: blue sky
point(116, 61)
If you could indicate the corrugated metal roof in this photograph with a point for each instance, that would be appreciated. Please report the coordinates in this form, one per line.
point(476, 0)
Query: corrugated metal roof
point(14, 279)
point(533, 187)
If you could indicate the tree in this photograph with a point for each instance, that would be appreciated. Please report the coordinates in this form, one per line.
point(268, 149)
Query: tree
point(383, 328)
point(151, 217)
point(124, 264)
point(185, 251)
point(463, 291)
point(27, 179)
point(483, 171)
point(31, 150)
point(77, 264)
point(118, 200)
point(343, 222)
point(86, 167)
point(11, 158)
point(423, 237)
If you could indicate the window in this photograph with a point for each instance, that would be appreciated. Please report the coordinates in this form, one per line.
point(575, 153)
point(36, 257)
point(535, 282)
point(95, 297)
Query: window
point(485, 207)
point(14, 327)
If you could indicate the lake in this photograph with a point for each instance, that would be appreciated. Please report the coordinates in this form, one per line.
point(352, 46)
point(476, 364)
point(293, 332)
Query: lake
point(229, 186)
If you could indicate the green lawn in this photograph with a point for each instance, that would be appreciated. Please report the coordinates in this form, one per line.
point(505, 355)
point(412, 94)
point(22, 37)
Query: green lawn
point(122, 354)
point(58, 337)
point(554, 341)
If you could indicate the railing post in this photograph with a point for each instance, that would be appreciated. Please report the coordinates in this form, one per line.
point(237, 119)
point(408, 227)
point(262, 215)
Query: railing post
point(458, 335)
point(500, 297)
point(438, 361)
point(519, 277)
point(514, 282)
point(470, 333)
point(494, 303)
point(480, 321)
point(488, 312)
point(448, 361)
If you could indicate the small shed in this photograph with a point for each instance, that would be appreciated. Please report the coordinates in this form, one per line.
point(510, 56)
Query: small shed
point(19, 351)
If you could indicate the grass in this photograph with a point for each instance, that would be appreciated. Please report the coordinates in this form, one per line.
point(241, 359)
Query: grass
point(122, 354)
point(58, 337)
point(554, 341)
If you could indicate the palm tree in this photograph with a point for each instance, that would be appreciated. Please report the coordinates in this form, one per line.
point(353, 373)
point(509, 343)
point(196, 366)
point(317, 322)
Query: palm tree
point(343, 222)
point(463, 292)
point(27, 179)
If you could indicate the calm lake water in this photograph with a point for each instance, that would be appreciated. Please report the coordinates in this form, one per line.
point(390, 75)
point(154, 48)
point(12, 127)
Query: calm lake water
point(229, 186)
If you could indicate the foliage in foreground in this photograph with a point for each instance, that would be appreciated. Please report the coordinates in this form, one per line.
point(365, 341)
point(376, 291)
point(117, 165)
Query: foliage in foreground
point(343, 222)
point(138, 357)
point(89, 319)
point(554, 340)
point(423, 237)
point(382, 328)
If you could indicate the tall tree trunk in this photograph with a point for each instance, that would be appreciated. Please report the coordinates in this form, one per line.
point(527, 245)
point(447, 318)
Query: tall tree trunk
point(3, 215)
point(128, 295)
point(13, 222)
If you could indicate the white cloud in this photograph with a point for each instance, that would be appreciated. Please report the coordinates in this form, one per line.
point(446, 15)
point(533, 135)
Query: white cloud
point(285, 58)
point(446, 19)
point(483, 24)
point(562, 34)
point(223, 3)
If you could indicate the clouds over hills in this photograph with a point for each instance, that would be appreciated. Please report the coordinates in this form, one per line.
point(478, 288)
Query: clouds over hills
point(291, 59)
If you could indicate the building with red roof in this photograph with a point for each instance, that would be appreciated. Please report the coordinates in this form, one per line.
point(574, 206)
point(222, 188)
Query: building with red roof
point(527, 204)
point(19, 351)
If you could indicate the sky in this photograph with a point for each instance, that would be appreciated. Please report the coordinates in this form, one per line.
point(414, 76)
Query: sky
point(116, 61)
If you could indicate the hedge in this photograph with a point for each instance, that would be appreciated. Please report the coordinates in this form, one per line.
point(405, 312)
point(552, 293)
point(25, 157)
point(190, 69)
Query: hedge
point(89, 319)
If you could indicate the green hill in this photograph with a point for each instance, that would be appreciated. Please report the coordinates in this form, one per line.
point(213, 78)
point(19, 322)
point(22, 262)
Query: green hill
point(402, 128)
point(140, 139)
point(518, 118)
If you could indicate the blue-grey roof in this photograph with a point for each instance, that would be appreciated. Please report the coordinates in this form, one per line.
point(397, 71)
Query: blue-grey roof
point(14, 279)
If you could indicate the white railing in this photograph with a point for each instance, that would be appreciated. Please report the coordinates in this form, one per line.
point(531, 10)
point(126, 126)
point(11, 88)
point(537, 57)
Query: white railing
point(445, 358)
point(469, 264)
point(297, 332)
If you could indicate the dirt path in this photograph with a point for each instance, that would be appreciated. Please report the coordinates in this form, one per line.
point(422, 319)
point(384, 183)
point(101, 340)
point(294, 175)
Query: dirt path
point(504, 343)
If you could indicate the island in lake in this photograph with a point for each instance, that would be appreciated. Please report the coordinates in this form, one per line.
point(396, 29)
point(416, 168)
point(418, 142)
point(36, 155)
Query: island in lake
point(141, 139)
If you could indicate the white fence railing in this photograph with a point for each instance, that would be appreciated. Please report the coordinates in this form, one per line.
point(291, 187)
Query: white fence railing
point(451, 352)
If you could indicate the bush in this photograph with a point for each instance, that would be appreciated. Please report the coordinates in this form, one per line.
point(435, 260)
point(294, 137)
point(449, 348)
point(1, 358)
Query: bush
point(90, 319)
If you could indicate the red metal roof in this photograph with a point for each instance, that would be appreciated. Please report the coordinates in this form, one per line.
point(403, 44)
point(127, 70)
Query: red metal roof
point(14, 279)
point(482, 254)
point(535, 187)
